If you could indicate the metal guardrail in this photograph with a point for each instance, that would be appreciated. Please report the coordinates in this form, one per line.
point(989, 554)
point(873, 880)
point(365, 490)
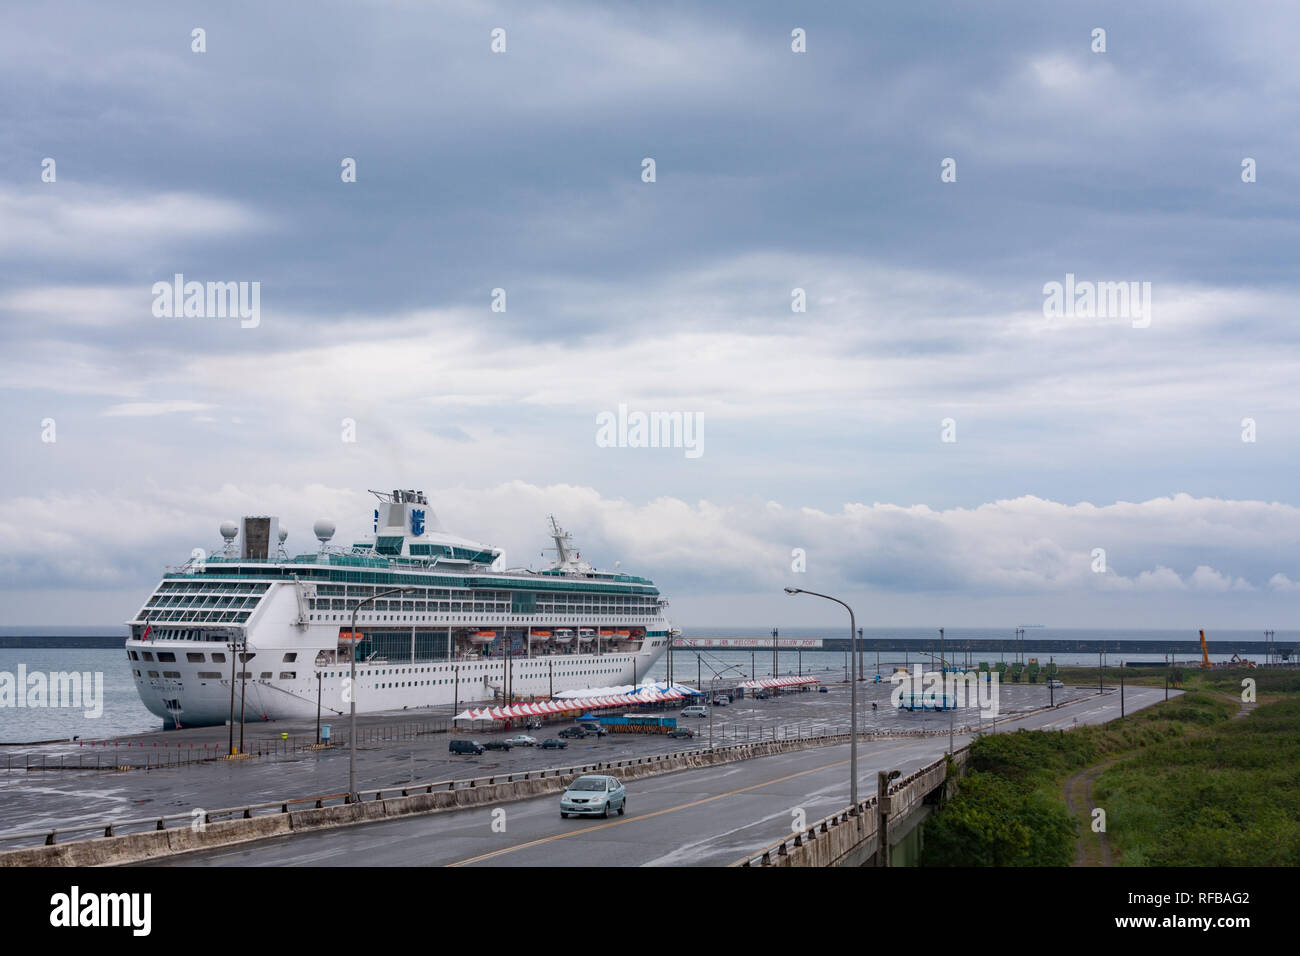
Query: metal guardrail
point(903, 789)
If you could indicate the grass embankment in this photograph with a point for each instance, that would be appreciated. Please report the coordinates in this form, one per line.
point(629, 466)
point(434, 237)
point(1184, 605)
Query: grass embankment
point(1011, 810)
point(1226, 797)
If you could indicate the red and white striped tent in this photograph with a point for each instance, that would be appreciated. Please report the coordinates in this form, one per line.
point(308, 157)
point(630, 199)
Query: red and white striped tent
point(780, 681)
point(544, 707)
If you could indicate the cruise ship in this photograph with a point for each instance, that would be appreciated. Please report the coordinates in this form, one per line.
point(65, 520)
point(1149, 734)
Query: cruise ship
point(251, 628)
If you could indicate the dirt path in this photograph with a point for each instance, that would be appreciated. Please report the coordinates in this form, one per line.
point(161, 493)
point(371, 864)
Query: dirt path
point(1091, 849)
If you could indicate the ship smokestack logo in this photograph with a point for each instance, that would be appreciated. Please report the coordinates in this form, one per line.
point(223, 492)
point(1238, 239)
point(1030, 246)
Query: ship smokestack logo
point(417, 521)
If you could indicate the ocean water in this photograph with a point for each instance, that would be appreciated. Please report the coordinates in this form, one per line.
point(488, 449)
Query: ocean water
point(123, 713)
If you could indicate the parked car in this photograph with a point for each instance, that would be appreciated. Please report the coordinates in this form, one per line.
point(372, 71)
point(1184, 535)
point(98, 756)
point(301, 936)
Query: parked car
point(593, 795)
point(695, 710)
point(720, 702)
point(1055, 683)
point(574, 732)
point(522, 740)
point(681, 732)
point(594, 730)
point(763, 695)
point(823, 689)
point(550, 743)
point(497, 745)
point(465, 747)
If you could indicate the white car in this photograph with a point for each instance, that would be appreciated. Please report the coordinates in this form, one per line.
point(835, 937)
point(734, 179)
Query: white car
point(522, 740)
point(1054, 683)
point(595, 795)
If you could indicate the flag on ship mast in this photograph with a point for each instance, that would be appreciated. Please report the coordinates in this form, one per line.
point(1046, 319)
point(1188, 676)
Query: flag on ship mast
point(147, 629)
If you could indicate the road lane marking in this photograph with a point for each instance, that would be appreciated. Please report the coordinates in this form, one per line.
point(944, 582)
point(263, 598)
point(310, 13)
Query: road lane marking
point(657, 813)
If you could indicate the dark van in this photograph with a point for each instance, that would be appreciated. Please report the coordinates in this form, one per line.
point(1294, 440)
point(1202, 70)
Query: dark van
point(465, 747)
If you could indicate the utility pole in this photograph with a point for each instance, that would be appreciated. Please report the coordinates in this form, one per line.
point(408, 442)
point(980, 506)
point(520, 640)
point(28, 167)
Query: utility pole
point(318, 676)
point(243, 684)
point(234, 647)
point(776, 662)
point(860, 676)
point(1121, 688)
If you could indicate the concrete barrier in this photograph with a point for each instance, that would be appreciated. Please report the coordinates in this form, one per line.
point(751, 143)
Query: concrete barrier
point(850, 837)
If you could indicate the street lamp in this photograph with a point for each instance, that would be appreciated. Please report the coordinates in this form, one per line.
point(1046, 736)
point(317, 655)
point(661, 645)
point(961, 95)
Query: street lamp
point(853, 694)
point(352, 692)
point(713, 682)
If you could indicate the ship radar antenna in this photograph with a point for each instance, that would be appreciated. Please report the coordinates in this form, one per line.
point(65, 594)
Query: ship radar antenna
point(228, 531)
point(280, 552)
point(323, 529)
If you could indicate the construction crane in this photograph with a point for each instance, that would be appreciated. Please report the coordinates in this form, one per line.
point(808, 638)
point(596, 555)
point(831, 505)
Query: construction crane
point(1205, 653)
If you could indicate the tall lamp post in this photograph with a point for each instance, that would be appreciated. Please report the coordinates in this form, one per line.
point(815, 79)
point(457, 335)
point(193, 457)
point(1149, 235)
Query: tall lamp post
point(352, 692)
point(853, 693)
point(713, 692)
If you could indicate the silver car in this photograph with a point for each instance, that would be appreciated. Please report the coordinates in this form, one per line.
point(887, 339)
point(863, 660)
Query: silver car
point(593, 794)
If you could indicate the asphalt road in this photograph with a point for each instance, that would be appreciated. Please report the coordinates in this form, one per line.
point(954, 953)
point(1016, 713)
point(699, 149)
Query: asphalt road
point(31, 800)
point(709, 816)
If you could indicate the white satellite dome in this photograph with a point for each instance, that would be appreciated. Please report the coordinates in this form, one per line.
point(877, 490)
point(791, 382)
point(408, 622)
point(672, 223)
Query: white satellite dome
point(228, 530)
point(323, 529)
point(284, 533)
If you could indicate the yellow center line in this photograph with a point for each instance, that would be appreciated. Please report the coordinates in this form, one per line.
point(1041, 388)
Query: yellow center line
point(657, 813)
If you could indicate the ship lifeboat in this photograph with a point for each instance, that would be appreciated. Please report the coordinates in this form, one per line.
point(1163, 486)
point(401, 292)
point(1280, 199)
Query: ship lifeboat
point(541, 635)
point(483, 637)
point(623, 635)
point(606, 632)
point(585, 634)
point(563, 636)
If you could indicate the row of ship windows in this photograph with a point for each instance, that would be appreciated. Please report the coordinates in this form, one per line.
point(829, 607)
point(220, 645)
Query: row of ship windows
point(224, 587)
point(410, 617)
point(193, 657)
point(227, 617)
point(201, 601)
point(217, 675)
point(293, 675)
point(487, 607)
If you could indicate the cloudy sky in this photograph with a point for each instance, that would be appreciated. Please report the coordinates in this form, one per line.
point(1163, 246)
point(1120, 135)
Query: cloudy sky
point(775, 170)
